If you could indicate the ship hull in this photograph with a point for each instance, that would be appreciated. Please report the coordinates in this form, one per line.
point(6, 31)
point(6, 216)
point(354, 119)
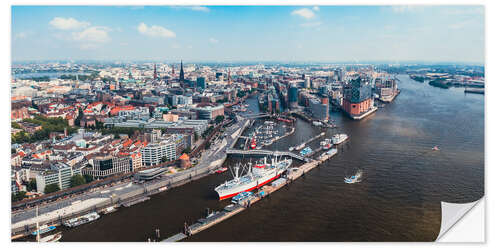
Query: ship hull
point(246, 188)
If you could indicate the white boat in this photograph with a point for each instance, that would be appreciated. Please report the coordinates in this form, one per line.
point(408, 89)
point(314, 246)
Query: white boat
point(52, 238)
point(291, 148)
point(339, 138)
point(256, 176)
point(315, 123)
point(301, 146)
point(354, 178)
point(111, 209)
point(82, 219)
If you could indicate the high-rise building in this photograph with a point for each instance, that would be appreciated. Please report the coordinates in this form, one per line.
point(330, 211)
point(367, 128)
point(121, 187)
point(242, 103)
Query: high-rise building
point(293, 96)
point(107, 165)
point(357, 97)
point(59, 173)
point(200, 82)
point(319, 109)
point(229, 77)
point(153, 153)
point(155, 75)
point(307, 82)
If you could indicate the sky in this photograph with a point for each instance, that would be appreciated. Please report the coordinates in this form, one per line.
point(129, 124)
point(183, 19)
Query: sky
point(249, 33)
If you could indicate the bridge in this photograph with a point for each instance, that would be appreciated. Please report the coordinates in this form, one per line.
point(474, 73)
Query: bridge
point(259, 115)
point(266, 153)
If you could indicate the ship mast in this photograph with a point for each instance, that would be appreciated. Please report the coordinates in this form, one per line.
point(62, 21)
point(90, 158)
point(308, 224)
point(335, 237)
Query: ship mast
point(37, 226)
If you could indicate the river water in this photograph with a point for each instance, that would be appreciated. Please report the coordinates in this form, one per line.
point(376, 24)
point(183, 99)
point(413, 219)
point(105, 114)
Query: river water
point(398, 199)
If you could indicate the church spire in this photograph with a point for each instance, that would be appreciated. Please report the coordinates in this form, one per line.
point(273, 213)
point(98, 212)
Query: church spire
point(181, 74)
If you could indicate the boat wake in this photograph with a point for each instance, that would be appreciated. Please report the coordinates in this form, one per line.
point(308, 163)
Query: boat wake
point(354, 178)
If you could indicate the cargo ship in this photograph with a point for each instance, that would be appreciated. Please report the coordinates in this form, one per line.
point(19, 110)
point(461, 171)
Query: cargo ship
point(82, 219)
point(256, 176)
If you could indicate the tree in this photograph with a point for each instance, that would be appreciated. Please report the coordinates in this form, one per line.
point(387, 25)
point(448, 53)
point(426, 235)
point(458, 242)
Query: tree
point(31, 185)
point(219, 119)
point(19, 196)
point(51, 188)
point(164, 159)
point(88, 178)
point(77, 180)
point(186, 150)
point(196, 136)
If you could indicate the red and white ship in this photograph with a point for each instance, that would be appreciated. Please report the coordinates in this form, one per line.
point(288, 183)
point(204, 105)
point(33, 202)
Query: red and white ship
point(257, 176)
point(253, 143)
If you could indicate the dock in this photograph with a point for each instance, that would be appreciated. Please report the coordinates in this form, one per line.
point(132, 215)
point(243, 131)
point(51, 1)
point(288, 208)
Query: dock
point(134, 201)
point(174, 238)
point(310, 139)
point(359, 117)
point(233, 209)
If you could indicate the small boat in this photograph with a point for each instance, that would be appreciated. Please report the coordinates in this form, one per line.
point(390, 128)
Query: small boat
point(241, 196)
point(327, 146)
point(339, 138)
point(52, 238)
point(221, 170)
point(44, 229)
point(301, 146)
point(291, 148)
point(435, 148)
point(109, 210)
point(354, 178)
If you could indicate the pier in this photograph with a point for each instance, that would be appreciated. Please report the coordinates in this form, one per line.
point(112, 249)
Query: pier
point(233, 209)
point(310, 140)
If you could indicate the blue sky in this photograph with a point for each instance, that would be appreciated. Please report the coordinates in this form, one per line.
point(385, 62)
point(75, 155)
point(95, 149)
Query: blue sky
point(249, 33)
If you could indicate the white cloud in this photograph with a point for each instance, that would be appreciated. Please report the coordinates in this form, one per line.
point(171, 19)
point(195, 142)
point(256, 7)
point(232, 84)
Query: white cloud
point(67, 23)
point(462, 24)
point(304, 12)
point(311, 24)
point(406, 8)
point(213, 40)
point(155, 31)
point(316, 8)
point(94, 34)
point(20, 35)
point(199, 8)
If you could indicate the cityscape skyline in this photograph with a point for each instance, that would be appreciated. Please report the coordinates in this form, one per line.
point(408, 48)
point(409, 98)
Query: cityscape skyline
point(249, 33)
